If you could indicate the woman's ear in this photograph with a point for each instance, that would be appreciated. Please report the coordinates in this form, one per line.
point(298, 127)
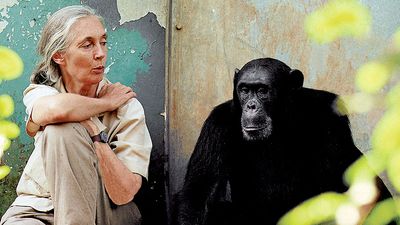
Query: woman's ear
point(58, 58)
point(296, 79)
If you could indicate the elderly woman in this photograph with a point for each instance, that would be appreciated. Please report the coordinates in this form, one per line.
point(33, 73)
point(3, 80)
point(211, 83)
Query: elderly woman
point(92, 146)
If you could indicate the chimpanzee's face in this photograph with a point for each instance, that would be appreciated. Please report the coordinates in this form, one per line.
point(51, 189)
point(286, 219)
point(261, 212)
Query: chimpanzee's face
point(257, 91)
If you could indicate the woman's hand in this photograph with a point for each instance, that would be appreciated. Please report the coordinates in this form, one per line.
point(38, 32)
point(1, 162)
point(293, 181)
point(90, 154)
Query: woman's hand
point(76, 108)
point(116, 95)
point(121, 184)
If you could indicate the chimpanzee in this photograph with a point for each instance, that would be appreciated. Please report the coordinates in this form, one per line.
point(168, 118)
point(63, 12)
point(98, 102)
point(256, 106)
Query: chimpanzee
point(274, 145)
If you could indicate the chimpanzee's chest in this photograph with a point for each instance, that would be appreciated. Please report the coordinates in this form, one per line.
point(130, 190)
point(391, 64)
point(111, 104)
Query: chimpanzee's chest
point(274, 176)
point(273, 173)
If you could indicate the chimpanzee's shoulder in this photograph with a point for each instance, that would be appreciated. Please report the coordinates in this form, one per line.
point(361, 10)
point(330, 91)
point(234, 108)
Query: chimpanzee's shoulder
point(223, 114)
point(317, 96)
point(312, 102)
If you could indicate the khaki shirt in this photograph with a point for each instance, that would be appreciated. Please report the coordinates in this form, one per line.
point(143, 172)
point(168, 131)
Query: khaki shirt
point(126, 128)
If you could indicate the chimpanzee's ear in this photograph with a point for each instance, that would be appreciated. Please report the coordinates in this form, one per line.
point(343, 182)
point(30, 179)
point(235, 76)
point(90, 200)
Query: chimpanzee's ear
point(296, 79)
point(235, 81)
point(235, 77)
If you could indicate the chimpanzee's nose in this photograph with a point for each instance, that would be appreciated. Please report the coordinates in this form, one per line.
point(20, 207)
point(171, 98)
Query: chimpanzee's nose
point(251, 105)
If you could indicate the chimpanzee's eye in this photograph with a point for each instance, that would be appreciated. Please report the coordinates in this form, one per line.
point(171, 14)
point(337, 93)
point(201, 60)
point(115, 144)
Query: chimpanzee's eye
point(262, 92)
point(244, 90)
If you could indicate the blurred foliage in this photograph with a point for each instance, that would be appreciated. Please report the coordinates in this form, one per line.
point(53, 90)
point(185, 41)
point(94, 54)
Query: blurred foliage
point(350, 18)
point(11, 67)
point(372, 76)
point(383, 213)
point(316, 210)
point(338, 19)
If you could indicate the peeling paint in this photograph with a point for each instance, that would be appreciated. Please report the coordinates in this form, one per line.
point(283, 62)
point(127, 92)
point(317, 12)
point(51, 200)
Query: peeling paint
point(131, 10)
point(7, 3)
point(3, 25)
point(32, 23)
point(4, 7)
point(205, 52)
point(20, 25)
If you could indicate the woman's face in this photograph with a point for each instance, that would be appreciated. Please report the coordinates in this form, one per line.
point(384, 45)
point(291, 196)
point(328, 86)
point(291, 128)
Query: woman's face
point(84, 60)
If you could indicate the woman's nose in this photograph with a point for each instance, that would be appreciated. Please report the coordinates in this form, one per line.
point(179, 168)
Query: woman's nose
point(99, 52)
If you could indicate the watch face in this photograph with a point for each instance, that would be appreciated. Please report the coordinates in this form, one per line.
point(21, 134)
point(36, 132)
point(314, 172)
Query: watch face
point(103, 137)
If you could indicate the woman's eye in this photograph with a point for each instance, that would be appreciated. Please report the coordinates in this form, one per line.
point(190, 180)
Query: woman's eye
point(88, 45)
point(104, 43)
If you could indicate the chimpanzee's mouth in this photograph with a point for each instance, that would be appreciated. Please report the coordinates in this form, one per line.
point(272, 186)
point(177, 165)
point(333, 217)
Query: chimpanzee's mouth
point(252, 129)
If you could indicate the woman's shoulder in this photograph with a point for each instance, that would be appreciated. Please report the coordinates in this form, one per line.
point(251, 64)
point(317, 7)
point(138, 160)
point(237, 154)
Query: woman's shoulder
point(131, 109)
point(42, 88)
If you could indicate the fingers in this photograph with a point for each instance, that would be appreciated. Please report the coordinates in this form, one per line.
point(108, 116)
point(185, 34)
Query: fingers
point(124, 98)
point(131, 95)
point(120, 87)
point(126, 89)
point(115, 95)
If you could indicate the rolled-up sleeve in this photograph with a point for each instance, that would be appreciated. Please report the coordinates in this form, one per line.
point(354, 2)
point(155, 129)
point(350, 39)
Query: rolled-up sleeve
point(31, 94)
point(131, 138)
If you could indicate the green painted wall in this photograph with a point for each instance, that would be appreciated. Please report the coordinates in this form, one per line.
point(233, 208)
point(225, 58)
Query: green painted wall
point(20, 24)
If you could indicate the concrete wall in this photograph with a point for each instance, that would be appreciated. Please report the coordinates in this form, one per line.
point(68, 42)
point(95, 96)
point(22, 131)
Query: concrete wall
point(209, 39)
point(136, 58)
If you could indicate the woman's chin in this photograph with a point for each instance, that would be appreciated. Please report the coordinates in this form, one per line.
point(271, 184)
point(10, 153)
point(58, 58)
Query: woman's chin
point(96, 78)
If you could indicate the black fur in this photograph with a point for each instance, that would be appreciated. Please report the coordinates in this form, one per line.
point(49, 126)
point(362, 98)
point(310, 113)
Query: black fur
point(233, 181)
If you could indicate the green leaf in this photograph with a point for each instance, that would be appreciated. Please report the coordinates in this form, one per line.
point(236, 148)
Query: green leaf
point(393, 170)
point(393, 97)
point(382, 213)
point(4, 144)
point(361, 169)
point(6, 106)
point(319, 209)
point(372, 76)
point(385, 138)
point(11, 65)
point(4, 171)
point(9, 129)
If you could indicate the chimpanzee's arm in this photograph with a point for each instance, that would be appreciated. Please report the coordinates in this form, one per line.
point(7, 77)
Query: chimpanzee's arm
point(204, 170)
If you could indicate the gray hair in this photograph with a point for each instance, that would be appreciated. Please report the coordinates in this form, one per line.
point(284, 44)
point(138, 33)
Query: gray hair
point(54, 38)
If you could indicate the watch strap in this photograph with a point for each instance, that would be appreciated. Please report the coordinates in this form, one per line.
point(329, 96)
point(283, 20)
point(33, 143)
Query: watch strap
point(101, 137)
point(96, 138)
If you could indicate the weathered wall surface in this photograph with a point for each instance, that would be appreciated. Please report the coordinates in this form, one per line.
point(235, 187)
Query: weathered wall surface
point(136, 58)
point(212, 38)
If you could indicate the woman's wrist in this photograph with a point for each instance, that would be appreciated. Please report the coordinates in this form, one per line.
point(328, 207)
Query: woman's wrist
point(90, 127)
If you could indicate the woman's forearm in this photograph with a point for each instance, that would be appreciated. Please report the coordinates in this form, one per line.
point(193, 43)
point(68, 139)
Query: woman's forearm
point(121, 184)
point(67, 107)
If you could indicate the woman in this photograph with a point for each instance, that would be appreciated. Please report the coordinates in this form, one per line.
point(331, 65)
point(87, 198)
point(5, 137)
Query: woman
point(77, 174)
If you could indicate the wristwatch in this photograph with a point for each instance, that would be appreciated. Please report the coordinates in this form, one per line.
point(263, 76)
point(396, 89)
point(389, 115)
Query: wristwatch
point(101, 137)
